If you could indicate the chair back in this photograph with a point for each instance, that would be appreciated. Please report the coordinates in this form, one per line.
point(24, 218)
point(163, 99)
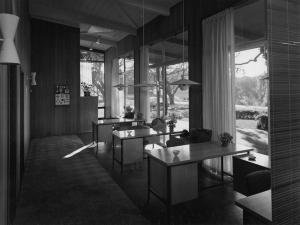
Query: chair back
point(158, 124)
point(175, 142)
point(200, 135)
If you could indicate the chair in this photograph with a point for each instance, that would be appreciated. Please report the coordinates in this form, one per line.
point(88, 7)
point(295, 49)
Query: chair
point(258, 181)
point(175, 142)
point(200, 135)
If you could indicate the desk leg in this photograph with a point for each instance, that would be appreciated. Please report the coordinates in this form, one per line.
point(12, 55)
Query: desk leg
point(148, 190)
point(122, 156)
point(222, 168)
point(169, 191)
point(93, 135)
point(97, 139)
point(113, 151)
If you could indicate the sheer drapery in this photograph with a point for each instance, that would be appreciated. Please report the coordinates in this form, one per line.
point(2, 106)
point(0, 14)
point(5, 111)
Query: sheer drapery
point(218, 79)
point(144, 78)
point(115, 109)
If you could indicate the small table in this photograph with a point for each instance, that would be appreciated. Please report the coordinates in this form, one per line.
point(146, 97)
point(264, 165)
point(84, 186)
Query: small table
point(106, 127)
point(243, 166)
point(173, 178)
point(257, 209)
point(128, 145)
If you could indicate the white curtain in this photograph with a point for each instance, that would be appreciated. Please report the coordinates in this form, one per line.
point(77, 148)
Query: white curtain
point(144, 78)
point(115, 109)
point(218, 78)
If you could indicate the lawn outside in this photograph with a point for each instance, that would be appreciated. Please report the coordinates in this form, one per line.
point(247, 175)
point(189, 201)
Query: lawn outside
point(247, 134)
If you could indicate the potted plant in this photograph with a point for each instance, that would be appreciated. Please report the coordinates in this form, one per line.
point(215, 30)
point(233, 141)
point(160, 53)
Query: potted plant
point(172, 122)
point(86, 88)
point(225, 139)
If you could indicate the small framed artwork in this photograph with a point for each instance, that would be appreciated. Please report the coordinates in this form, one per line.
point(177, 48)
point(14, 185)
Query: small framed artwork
point(62, 95)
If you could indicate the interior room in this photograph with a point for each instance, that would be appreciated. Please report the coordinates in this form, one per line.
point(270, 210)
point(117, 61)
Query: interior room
point(149, 112)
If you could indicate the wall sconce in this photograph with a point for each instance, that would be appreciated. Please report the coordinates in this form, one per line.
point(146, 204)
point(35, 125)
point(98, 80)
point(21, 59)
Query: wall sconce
point(32, 79)
point(8, 27)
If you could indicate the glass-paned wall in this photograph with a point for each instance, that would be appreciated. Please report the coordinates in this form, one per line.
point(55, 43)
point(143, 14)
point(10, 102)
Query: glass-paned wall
point(251, 77)
point(168, 63)
point(126, 77)
point(92, 77)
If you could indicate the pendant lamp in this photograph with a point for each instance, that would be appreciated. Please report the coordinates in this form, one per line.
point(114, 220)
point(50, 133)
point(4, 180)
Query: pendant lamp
point(183, 83)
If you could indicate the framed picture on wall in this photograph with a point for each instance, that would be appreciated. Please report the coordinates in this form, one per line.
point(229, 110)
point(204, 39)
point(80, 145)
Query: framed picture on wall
point(62, 95)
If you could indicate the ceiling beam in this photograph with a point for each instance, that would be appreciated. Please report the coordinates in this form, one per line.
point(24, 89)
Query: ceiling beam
point(167, 54)
point(41, 11)
point(167, 63)
point(86, 37)
point(152, 7)
point(177, 41)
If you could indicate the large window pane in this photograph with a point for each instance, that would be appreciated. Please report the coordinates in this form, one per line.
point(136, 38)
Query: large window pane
point(92, 74)
point(126, 77)
point(166, 66)
point(178, 100)
point(251, 77)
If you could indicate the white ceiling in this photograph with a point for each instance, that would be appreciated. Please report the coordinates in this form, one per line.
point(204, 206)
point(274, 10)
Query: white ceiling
point(108, 20)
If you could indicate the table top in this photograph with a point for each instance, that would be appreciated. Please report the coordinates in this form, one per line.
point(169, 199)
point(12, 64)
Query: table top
point(194, 152)
point(260, 160)
point(146, 132)
point(117, 121)
point(260, 205)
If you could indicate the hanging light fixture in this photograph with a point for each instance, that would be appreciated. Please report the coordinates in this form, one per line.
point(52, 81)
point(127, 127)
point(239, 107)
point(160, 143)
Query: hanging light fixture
point(144, 84)
point(8, 27)
point(183, 83)
point(120, 87)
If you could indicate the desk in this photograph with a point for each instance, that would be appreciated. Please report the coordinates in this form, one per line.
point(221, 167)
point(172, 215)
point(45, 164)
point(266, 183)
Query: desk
point(106, 128)
point(257, 209)
point(174, 178)
point(128, 145)
point(243, 166)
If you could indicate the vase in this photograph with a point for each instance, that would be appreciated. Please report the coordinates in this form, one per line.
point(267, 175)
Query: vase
point(87, 93)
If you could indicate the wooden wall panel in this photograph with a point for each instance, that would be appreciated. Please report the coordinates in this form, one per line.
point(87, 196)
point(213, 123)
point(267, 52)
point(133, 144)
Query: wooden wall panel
point(55, 58)
point(283, 18)
point(11, 114)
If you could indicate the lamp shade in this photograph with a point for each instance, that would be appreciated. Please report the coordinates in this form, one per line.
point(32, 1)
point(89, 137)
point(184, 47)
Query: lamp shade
point(8, 27)
point(184, 83)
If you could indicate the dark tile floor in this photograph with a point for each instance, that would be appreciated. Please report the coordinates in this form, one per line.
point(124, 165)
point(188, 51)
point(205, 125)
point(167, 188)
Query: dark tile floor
point(64, 184)
point(214, 206)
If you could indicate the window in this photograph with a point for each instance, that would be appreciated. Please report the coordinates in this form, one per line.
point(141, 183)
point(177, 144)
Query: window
point(251, 93)
point(166, 66)
point(251, 77)
point(126, 77)
point(92, 74)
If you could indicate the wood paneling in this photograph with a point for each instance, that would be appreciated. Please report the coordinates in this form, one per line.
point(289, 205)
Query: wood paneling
point(283, 18)
point(55, 58)
point(11, 96)
point(88, 107)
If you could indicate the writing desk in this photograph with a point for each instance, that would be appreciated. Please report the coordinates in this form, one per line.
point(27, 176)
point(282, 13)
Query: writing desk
point(173, 178)
point(103, 128)
point(128, 145)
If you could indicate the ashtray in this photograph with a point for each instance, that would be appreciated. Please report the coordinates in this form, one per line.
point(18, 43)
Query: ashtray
point(251, 157)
